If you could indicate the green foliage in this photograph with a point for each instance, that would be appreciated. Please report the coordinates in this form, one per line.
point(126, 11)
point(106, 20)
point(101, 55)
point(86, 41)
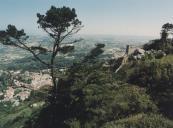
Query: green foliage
point(165, 44)
point(158, 44)
point(166, 30)
point(91, 97)
point(141, 121)
point(152, 74)
point(39, 48)
point(156, 76)
point(11, 35)
point(66, 49)
point(16, 117)
point(95, 52)
point(59, 20)
point(167, 59)
point(5, 81)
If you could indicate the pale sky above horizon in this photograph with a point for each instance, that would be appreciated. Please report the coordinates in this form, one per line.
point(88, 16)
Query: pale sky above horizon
point(110, 17)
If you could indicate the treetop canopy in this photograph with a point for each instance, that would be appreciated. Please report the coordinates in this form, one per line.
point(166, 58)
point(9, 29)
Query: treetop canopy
point(59, 20)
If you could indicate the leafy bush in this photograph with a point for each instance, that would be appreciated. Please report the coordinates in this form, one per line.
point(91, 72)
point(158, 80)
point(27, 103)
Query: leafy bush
point(157, 77)
point(152, 74)
point(158, 44)
point(15, 117)
point(141, 121)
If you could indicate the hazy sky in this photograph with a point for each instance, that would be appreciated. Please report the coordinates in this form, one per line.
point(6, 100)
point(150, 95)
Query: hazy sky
point(115, 17)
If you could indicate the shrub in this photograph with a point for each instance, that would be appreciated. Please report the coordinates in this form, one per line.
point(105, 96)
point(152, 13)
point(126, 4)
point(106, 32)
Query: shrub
point(141, 121)
point(152, 74)
point(92, 105)
point(158, 44)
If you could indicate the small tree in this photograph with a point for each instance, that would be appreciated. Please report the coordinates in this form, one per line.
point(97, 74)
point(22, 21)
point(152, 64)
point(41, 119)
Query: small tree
point(59, 24)
point(166, 30)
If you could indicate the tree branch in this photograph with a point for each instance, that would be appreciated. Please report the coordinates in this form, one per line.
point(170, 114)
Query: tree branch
point(71, 32)
point(25, 47)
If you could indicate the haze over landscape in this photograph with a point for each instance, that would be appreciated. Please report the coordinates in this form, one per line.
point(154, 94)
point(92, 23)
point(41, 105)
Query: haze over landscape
point(108, 17)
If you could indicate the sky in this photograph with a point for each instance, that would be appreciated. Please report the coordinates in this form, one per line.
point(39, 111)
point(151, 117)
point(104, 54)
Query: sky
point(99, 17)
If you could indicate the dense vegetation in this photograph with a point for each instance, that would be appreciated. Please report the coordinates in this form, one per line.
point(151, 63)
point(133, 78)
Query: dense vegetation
point(156, 76)
point(92, 97)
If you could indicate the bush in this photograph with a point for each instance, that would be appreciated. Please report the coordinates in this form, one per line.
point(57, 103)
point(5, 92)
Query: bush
point(157, 78)
point(92, 105)
point(159, 44)
point(141, 121)
point(152, 74)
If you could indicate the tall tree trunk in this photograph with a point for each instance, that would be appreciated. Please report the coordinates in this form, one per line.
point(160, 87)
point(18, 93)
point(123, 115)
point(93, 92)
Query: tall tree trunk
point(54, 82)
point(55, 51)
